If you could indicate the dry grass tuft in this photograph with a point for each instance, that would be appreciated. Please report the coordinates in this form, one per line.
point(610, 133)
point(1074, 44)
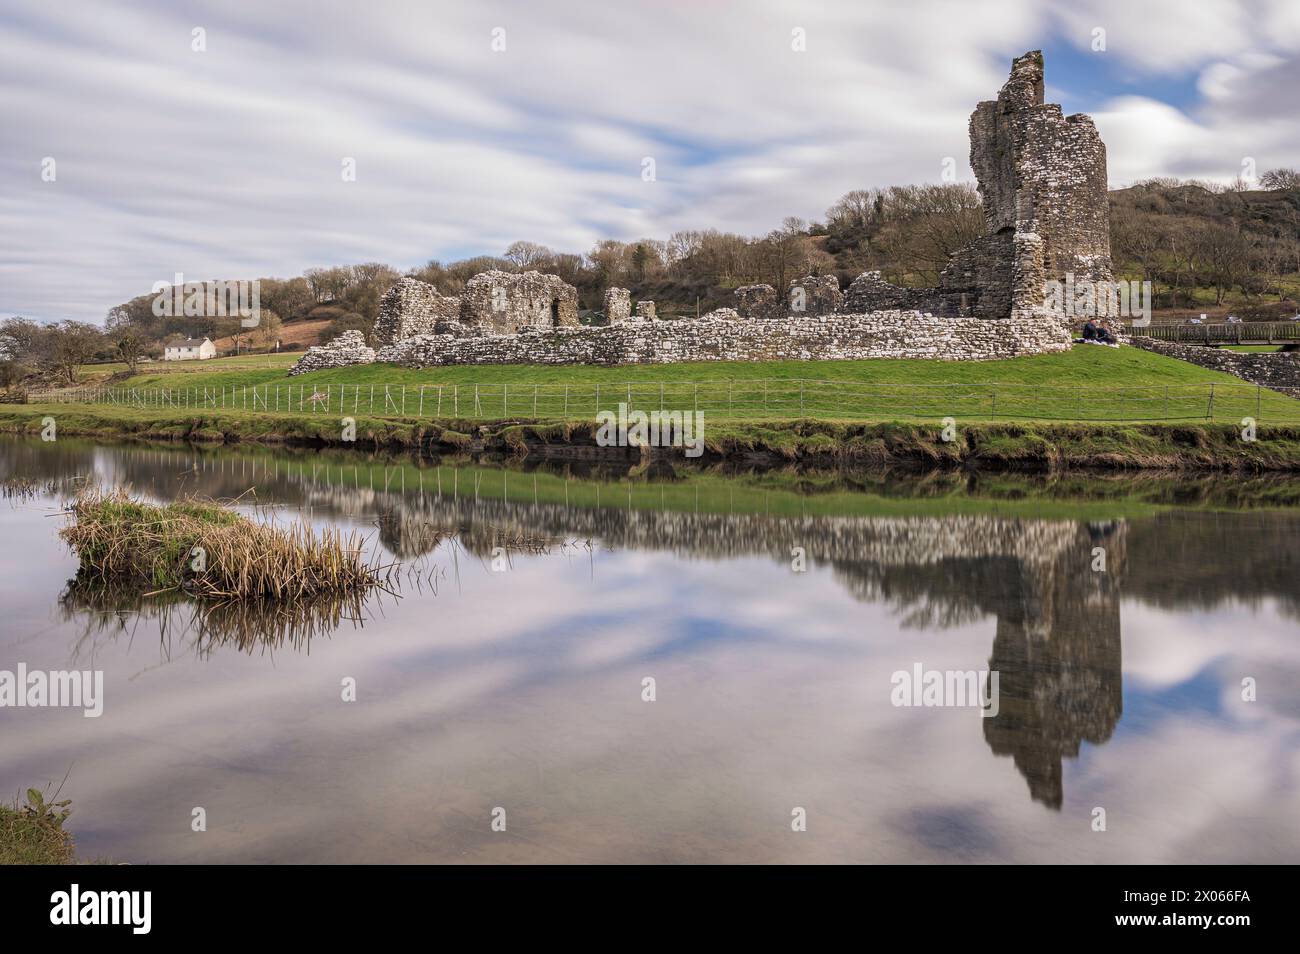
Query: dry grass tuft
point(212, 552)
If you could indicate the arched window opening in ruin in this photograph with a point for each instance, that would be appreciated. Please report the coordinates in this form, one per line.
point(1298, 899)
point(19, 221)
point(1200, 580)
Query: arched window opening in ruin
point(555, 312)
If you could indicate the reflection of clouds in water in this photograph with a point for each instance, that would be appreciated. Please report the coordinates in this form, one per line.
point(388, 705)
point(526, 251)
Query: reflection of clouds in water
point(536, 705)
point(523, 689)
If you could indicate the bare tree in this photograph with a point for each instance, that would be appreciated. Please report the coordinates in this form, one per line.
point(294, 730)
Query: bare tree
point(131, 344)
point(1280, 179)
point(72, 344)
point(529, 255)
point(1225, 255)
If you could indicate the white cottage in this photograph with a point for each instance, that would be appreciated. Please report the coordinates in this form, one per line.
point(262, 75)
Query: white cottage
point(189, 349)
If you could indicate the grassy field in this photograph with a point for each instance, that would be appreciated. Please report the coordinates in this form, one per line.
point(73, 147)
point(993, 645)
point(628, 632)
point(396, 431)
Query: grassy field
point(1085, 384)
point(160, 370)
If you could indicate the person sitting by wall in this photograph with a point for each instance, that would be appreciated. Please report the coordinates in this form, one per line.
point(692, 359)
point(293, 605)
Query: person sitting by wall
point(1090, 331)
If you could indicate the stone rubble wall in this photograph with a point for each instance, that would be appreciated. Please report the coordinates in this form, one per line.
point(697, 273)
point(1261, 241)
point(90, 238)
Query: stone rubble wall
point(721, 314)
point(893, 334)
point(347, 349)
point(504, 303)
point(870, 292)
point(1279, 370)
point(645, 310)
point(411, 307)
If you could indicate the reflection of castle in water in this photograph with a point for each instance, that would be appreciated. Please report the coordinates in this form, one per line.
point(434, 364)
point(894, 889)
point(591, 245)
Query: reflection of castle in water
point(1057, 642)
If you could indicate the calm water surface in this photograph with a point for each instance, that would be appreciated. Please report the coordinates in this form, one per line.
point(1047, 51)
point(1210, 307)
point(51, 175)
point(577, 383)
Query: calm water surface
point(516, 682)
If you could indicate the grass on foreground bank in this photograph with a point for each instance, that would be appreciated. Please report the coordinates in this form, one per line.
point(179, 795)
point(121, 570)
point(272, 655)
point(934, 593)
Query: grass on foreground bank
point(1087, 383)
point(1036, 445)
point(33, 834)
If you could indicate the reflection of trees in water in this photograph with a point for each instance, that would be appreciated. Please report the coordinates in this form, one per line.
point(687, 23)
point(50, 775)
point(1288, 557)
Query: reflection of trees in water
point(1186, 560)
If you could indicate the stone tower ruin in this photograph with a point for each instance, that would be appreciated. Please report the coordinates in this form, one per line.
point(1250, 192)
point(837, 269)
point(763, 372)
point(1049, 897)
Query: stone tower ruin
point(1042, 181)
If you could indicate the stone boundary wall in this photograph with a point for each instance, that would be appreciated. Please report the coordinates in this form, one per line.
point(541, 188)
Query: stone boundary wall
point(1279, 370)
point(893, 334)
point(347, 349)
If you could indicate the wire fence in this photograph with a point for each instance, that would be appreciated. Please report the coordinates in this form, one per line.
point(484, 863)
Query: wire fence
point(736, 400)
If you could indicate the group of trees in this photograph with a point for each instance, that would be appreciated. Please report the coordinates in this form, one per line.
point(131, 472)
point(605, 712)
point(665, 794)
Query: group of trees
point(1185, 236)
point(59, 349)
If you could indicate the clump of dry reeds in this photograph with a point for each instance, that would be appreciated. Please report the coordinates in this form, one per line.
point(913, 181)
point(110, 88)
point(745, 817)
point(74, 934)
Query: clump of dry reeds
point(211, 551)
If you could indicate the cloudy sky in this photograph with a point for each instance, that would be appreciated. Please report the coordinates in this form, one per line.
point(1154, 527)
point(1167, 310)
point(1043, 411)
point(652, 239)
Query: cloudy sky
point(228, 161)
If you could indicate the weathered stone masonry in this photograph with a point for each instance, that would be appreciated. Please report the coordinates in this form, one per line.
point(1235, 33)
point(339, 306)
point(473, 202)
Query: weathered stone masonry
point(347, 349)
point(879, 335)
point(503, 302)
point(412, 307)
point(1042, 180)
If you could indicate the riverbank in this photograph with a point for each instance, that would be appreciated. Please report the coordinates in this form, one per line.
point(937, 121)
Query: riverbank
point(1037, 446)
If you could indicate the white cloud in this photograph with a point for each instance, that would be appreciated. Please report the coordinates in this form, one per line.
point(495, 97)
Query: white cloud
point(226, 163)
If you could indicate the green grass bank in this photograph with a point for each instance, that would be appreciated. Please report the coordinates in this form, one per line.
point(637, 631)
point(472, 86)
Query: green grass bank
point(1012, 445)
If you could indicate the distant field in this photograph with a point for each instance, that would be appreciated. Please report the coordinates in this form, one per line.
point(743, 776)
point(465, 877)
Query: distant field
point(1085, 384)
point(155, 370)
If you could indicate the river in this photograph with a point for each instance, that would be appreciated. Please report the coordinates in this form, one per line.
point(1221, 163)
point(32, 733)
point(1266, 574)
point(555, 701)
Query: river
point(626, 666)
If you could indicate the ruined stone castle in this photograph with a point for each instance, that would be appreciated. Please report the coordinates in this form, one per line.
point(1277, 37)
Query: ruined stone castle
point(1042, 182)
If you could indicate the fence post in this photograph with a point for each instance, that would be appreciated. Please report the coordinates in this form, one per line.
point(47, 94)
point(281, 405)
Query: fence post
point(534, 400)
point(1259, 388)
point(801, 397)
point(420, 412)
point(505, 400)
point(1166, 402)
point(1209, 411)
point(566, 402)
